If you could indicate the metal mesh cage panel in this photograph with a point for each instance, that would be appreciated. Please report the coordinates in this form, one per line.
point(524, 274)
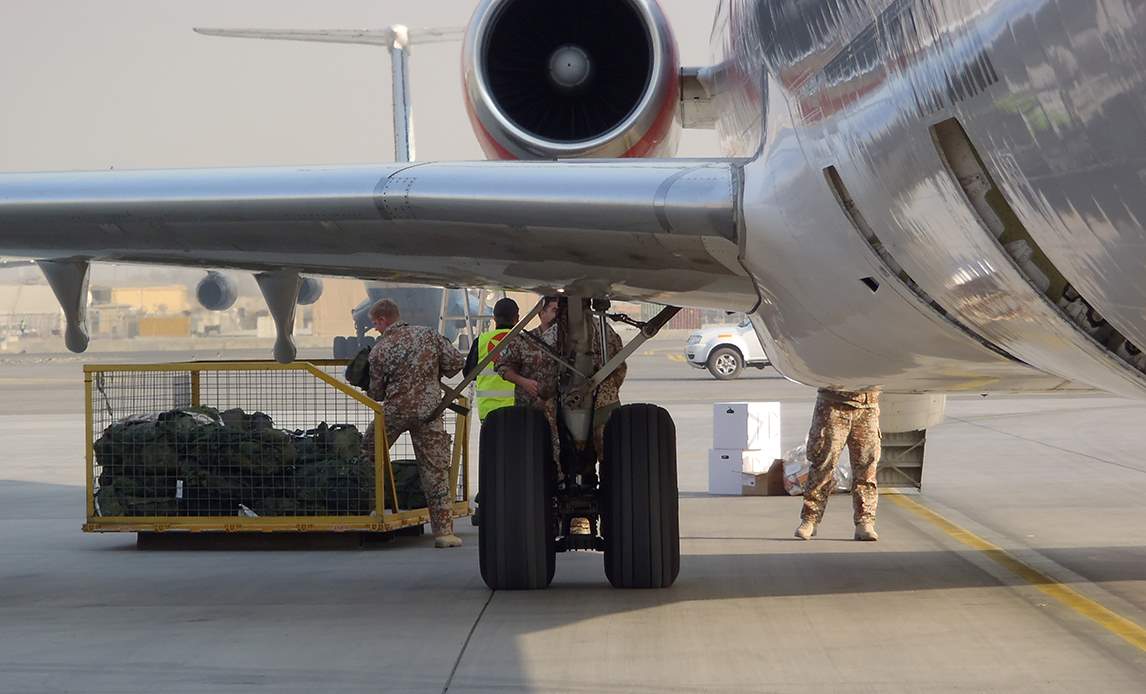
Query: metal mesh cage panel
point(227, 441)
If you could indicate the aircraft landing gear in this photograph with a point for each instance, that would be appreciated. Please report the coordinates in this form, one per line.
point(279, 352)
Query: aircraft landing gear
point(526, 519)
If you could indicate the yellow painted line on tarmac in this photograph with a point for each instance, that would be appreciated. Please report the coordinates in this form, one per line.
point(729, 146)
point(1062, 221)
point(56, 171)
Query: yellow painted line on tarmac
point(677, 357)
point(1129, 631)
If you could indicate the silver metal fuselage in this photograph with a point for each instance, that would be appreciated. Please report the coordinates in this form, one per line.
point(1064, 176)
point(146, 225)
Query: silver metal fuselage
point(1050, 93)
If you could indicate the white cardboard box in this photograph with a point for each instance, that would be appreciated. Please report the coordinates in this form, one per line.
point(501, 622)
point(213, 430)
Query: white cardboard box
point(726, 469)
point(747, 426)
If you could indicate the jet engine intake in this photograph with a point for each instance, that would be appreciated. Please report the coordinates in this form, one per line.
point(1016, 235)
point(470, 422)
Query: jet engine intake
point(549, 79)
point(217, 292)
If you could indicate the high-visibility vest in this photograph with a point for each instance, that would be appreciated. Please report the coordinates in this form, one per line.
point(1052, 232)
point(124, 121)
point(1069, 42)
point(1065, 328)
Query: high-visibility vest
point(493, 391)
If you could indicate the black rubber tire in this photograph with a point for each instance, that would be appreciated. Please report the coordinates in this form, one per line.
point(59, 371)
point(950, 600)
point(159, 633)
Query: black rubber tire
point(341, 349)
point(639, 516)
point(517, 541)
point(364, 342)
point(721, 356)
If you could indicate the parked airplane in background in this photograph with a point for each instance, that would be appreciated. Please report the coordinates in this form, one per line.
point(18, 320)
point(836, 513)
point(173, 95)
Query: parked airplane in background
point(927, 196)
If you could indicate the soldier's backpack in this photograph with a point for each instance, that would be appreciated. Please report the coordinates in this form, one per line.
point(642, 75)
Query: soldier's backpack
point(358, 370)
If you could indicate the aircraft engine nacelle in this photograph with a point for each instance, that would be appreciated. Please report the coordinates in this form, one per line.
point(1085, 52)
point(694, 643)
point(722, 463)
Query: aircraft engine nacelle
point(309, 291)
point(548, 79)
point(217, 292)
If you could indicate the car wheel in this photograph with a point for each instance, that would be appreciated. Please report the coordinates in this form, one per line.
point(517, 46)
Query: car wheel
point(725, 363)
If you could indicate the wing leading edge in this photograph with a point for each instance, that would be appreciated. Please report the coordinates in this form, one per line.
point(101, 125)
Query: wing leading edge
point(656, 230)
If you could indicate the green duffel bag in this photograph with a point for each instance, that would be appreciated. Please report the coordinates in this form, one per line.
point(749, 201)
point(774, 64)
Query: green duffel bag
point(336, 486)
point(409, 484)
point(239, 420)
point(134, 445)
point(342, 441)
point(113, 501)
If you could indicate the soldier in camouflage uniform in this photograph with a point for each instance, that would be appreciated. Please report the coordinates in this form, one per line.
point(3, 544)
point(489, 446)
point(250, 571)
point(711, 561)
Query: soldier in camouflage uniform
point(533, 372)
point(843, 418)
point(406, 367)
point(609, 392)
point(607, 397)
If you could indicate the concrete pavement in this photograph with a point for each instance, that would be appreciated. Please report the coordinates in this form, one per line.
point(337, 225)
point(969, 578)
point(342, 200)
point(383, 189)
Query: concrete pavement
point(1057, 481)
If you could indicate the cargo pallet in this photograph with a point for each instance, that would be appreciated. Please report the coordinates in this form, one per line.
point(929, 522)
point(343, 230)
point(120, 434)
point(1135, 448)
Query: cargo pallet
point(303, 392)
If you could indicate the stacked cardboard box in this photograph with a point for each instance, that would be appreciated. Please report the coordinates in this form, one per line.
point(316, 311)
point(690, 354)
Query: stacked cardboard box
point(745, 442)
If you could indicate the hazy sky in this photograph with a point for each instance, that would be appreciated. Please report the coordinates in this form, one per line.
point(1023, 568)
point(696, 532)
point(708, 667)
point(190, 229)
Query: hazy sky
point(126, 83)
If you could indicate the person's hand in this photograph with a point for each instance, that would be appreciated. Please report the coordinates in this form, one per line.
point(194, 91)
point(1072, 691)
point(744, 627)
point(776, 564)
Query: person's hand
point(531, 386)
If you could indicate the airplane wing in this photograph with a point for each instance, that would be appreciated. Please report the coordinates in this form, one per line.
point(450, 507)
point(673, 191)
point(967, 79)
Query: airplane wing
point(664, 231)
point(6, 263)
point(370, 37)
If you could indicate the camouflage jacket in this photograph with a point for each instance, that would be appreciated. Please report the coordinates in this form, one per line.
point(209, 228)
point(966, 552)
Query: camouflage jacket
point(859, 399)
point(406, 367)
point(529, 360)
point(609, 392)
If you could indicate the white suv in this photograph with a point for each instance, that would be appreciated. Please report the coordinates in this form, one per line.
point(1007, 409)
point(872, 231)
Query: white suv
point(725, 350)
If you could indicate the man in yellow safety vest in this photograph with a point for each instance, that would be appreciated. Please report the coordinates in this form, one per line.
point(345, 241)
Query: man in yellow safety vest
point(493, 391)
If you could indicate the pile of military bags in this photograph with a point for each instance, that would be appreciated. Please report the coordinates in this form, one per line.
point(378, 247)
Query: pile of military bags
point(202, 462)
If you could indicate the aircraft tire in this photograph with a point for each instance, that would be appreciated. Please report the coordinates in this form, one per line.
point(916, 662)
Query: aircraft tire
point(517, 544)
point(639, 515)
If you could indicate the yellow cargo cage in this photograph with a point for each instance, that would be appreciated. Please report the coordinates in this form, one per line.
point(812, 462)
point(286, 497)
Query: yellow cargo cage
point(250, 447)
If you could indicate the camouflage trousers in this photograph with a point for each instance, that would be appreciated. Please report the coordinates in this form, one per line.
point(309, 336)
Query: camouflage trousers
point(549, 409)
point(432, 451)
point(588, 463)
point(585, 462)
point(833, 427)
point(601, 418)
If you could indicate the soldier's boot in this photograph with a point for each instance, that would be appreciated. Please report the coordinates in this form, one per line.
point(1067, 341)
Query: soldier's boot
point(865, 531)
point(807, 530)
point(447, 541)
point(580, 526)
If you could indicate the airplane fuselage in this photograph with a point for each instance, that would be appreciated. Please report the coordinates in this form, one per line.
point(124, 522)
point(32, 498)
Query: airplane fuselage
point(927, 178)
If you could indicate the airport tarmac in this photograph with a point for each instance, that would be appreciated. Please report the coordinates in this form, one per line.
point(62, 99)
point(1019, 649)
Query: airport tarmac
point(937, 605)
